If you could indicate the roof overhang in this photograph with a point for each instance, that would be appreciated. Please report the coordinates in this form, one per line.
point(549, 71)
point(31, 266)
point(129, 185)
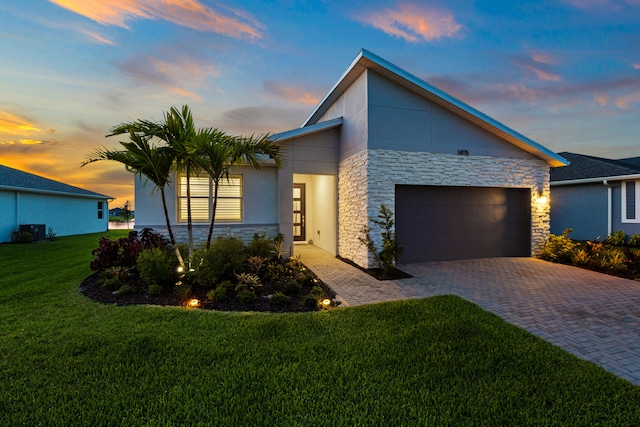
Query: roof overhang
point(306, 130)
point(55, 193)
point(602, 179)
point(367, 60)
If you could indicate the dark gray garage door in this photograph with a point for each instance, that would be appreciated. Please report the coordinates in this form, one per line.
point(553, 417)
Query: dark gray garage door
point(436, 223)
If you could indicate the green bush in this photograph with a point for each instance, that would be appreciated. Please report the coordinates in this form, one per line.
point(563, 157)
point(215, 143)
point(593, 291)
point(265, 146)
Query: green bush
point(559, 248)
point(21, 237)
point(220, 292)
point(183, 290)
point(260, 246)
point(391, 251)
point(125, 289)
point(154, 290)
point(247, 297)
point(292, 287)
point(279, 299)
point(310, 302)
point(225, 257)
point(634, 240)
point(157, 267)
point(113, 283)
point(617, 238)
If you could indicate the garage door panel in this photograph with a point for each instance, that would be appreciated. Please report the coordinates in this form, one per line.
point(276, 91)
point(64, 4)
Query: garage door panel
point(446, 223)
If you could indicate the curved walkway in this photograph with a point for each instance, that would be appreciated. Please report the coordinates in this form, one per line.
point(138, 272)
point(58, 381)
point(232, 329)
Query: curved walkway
point(592, 315)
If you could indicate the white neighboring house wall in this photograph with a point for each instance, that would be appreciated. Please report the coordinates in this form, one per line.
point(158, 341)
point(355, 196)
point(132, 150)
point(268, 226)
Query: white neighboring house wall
point(259, 208)
point(65, 214)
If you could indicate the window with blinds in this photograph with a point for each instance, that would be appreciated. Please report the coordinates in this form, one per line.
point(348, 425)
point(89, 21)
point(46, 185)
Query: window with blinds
point(229, 206)
point(630, 201)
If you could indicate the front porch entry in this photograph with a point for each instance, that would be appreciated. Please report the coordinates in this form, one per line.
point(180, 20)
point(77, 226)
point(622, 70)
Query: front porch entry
point(315, 211)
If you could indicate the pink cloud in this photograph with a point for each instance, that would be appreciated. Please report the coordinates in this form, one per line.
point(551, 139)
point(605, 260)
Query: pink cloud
point(177, 75)
point(636, 66)
point(413, 22)
point(97, 38)
point(292, 94)
point(188, 13)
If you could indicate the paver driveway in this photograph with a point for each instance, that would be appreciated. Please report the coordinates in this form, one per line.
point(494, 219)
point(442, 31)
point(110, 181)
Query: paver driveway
point(592, 315)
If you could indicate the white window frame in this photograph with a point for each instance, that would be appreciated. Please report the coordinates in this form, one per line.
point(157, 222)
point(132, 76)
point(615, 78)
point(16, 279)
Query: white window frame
point(223, 182)
point(623, 197)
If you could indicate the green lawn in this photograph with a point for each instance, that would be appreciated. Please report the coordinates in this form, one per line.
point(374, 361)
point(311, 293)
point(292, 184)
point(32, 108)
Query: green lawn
point(65, 360)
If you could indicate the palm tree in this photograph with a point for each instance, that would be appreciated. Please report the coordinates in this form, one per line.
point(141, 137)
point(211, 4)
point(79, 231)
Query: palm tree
point(215, 152)
point(143, 159)
point(178, 131)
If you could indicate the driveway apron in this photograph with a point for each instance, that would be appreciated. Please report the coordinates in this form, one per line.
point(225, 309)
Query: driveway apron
point(592, 315)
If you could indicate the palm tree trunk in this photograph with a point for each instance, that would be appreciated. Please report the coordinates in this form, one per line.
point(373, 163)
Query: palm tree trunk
point(189, 221)
point(216, 183)
point(171, 237)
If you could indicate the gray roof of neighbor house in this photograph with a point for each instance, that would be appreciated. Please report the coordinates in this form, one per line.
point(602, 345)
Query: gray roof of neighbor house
point(589, 168)
point(17, 180)
point(367, 60)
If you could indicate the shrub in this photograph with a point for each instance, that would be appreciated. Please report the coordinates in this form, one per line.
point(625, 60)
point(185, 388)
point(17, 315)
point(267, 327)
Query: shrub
point(279, 299)
point(225, 257)
point(247, 297)
point(123, 253)
point(292, 287)
point(613, 261)
point(247, 282)
point(391, 250)
point(21, 237)
point(255, 264)
point(559, 248)
point(616, 238)
point(183, 290)
point(310, 302)
point(51, 235)
point(317, 292)
point(154, 290)
point(157, 267)
point(260, 246)
point(220, 292)
point(634, 240)
point(125, 289)
point(113, 284)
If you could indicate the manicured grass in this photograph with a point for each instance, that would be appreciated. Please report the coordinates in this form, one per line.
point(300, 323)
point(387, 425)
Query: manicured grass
point(65, 360)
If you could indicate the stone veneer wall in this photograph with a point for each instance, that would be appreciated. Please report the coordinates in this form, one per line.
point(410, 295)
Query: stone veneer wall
point(368, 179)
point(200, 232)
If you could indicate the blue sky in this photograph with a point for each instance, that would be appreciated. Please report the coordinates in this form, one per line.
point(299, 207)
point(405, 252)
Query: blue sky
point(565, 73)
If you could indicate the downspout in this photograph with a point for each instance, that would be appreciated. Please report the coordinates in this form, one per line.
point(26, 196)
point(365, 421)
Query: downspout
point(609, 207)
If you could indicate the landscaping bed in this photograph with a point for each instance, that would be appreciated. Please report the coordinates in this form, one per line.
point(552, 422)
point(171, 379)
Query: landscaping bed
point(229, 275)
point(92, 288)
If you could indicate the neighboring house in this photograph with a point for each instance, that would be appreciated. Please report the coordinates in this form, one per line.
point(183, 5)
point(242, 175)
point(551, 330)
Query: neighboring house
point(595, 196)
point(118, 212)
point(461, 184)
point(27, 199)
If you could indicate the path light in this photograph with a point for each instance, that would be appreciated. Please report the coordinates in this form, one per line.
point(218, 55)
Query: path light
point(193, 303)
point(326, 303)
point(180, 269)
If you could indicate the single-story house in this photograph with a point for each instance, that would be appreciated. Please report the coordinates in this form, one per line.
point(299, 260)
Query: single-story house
point(35, 204)
point(595, 196)
point(461, 184)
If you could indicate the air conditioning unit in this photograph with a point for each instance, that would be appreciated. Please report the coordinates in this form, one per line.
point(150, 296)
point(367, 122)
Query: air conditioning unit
point(38, 231)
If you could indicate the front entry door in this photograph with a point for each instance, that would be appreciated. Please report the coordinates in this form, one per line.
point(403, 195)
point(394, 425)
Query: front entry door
point(299, 234)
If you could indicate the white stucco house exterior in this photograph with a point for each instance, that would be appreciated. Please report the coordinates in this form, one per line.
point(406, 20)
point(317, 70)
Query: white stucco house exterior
point(461, 184)
point(30, 200)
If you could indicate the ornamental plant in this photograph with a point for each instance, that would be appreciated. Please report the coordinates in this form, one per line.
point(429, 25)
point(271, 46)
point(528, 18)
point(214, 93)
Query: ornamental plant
point(391, 251)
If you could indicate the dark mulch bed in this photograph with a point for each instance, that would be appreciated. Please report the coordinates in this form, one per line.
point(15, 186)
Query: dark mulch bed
point(378, 273)
point(91, 287)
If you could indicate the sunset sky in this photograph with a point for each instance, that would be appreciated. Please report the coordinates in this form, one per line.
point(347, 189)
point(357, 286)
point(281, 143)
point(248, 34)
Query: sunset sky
point(565, 73)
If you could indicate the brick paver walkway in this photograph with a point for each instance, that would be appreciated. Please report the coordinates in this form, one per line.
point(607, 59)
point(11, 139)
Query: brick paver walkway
point(592, 315)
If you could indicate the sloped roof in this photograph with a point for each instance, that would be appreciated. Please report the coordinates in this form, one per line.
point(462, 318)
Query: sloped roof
point(367, 60)
point(14, 179)
point(589, 167)
point(308, 130)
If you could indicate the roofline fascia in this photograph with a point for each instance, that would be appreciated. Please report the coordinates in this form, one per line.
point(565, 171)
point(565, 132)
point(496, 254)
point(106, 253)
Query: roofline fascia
point(594, 180)
point(306, 130)
point(553, 158)
point(54, 193)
